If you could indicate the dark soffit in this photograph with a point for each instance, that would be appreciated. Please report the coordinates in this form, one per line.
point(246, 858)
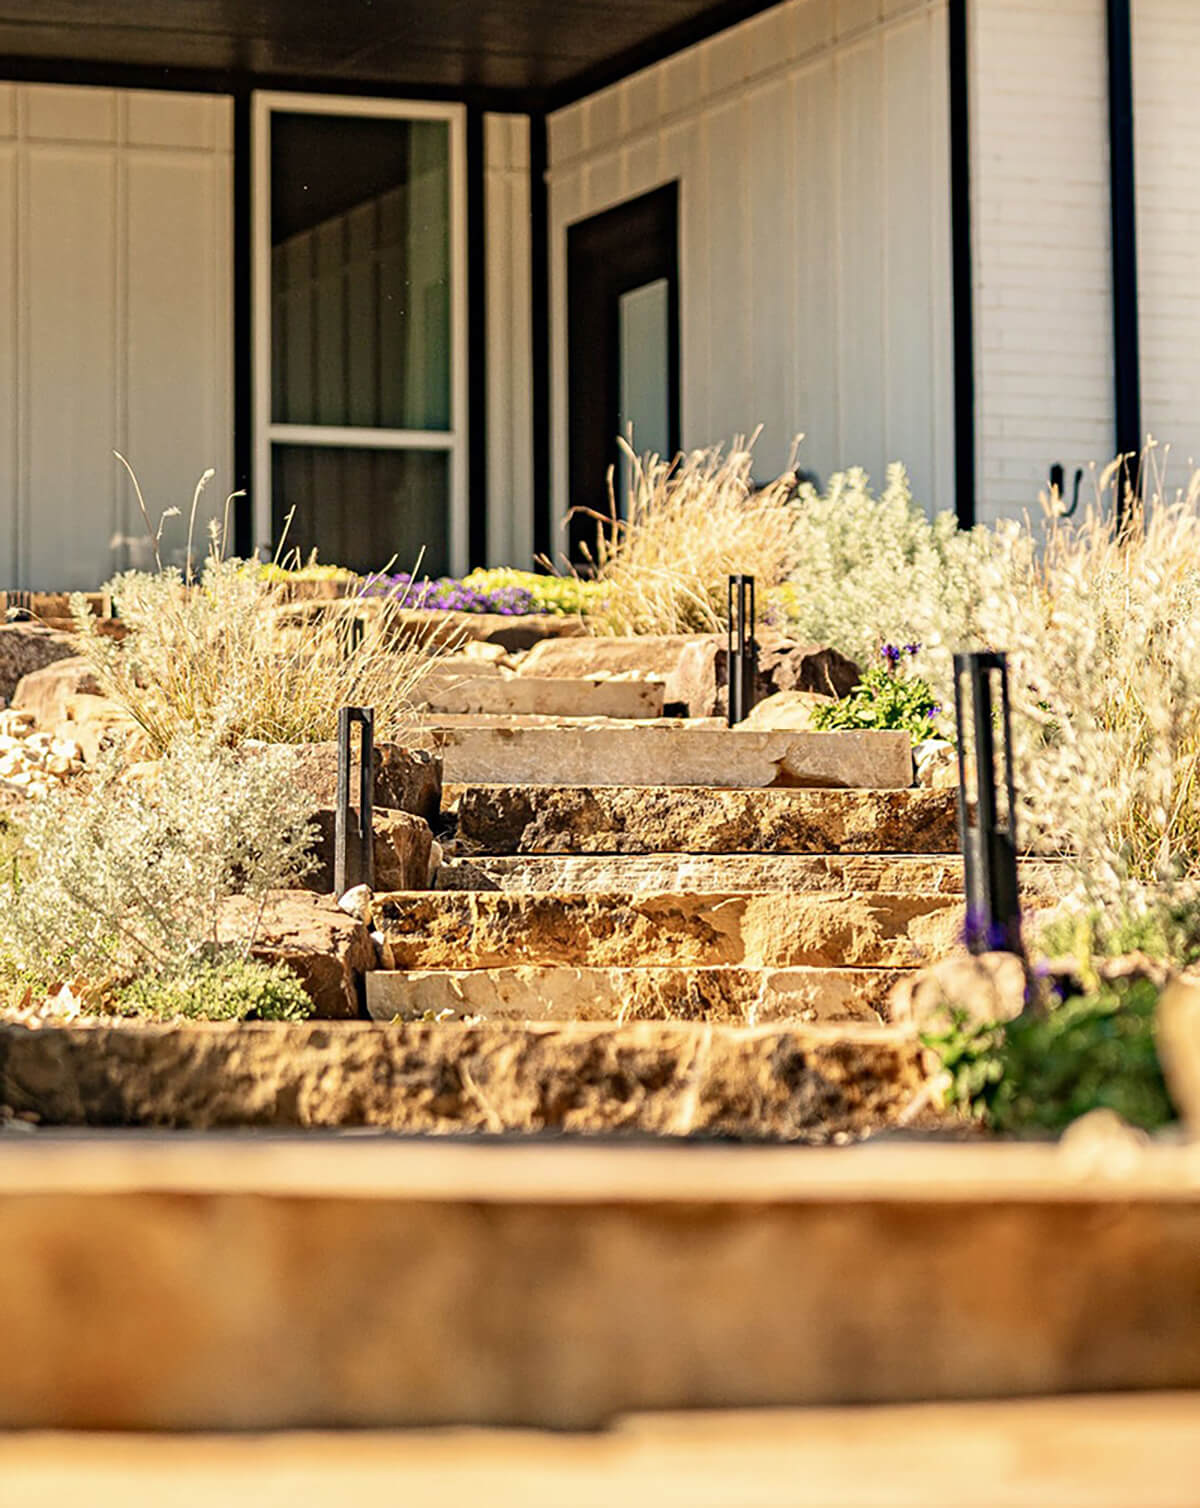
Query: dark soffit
point(548, 50)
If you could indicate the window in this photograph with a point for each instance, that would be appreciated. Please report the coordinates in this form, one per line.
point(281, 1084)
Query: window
point(360, 370)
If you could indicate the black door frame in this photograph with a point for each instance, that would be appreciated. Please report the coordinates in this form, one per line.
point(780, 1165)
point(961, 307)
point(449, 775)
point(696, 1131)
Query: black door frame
point(609, 254)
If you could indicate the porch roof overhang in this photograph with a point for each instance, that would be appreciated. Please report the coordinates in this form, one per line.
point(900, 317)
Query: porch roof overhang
point(538, 53)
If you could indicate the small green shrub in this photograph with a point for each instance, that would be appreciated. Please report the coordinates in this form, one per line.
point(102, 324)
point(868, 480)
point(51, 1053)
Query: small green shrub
point(1041, 1072)
point(1165, 927)
point(220, 988)
point(885, 698)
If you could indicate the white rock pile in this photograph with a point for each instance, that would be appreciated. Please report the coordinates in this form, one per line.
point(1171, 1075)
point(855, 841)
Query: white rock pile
point(32, 762)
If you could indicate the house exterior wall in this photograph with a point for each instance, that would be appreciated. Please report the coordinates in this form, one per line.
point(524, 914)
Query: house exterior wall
point(1166, 61)
point(115, 322)
point(811, 145)
point(509, 340)
point(1041, 240)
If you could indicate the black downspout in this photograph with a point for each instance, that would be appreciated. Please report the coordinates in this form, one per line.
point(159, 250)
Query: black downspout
point(539, 270)
point(476, 338)
point(243, 540)
point(1126, 351)
point(962, 274)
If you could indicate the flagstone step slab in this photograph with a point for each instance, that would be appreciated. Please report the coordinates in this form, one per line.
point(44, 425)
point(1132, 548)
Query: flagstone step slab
point(790, 1083)
point(990, 1454)
point(541, 696)
point(649, 756)
point(546, 720)
point(698, 874)
point(726, 995)
point(243, 1283)
point(538, 819)
point(496, 929)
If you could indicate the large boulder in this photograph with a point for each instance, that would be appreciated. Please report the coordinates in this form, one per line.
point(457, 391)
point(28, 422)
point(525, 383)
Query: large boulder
point(47, 693)
point(26, 647)
point(785, 712)
point(406, 780)
point(329, 951)
point(699, 684)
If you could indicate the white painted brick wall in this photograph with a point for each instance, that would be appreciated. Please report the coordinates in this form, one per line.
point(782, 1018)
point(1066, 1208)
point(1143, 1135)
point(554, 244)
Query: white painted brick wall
point(1166, 52)
point(1042, 258)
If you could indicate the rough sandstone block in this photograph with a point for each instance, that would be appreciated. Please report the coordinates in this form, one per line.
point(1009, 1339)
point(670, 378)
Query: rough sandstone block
point(700, 681)
point(403, 844)
point(666, 756)
point(254, 1285)
point(493, 929)
point(406, 780)
point(645, 655)
point(26, 647)
point(47, 692)
point(727, 995)
point(640, 820)
point(778, 1084)
point(542, 697)
point(700, 874)
point(328, 950)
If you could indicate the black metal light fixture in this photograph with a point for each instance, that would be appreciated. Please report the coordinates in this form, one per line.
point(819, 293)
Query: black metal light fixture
point(353, 832)
point(987, 824)
point(742, 658)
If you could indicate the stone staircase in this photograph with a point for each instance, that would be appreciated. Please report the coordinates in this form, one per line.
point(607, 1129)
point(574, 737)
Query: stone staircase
point(674, 873)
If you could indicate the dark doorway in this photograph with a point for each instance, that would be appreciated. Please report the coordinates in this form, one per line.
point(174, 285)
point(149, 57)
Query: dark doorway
point(623, 346)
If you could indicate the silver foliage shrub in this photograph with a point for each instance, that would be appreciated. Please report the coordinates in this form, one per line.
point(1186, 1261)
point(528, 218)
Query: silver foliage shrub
point(126, 876)
point(1101, 622)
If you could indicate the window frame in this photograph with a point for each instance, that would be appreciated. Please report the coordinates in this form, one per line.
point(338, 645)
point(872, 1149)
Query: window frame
point(454, 441)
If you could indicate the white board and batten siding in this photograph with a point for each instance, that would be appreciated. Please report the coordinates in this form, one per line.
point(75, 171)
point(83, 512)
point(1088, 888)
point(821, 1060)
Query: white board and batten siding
point(1042, 246)
point(811, 146)
point(1166, 59)
point(115, 321)
point(509, 340)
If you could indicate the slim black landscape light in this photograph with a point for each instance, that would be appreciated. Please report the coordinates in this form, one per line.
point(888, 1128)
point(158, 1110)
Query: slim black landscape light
point(742, 649)
point(353, 832)
point(989, 846)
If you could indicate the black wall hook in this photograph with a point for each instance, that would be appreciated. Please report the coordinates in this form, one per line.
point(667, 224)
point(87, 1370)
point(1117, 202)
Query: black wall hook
point(1058, 486)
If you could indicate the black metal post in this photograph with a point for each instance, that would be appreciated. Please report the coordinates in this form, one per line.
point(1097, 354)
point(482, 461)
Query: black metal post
point(353, 832)
point(989, 846)
point(742, 652)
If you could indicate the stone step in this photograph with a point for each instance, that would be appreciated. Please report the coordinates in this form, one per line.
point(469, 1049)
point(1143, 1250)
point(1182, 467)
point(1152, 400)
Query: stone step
point(496, 929)
point(540, 696)
point(682, 873)
point(539, 819)
point(675, 1078)
point(1096, 1451)
point(242, 1283)
point(727, 994)
point(651, 756)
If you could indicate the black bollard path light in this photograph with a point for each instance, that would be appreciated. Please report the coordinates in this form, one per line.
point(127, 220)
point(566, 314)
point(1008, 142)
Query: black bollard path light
point(353, 832)
point(742, 658)
point(987, 820)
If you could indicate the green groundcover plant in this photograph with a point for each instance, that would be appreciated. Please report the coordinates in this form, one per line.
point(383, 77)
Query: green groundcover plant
point(887, 697)
point(219, 988)
point(1044, 1070)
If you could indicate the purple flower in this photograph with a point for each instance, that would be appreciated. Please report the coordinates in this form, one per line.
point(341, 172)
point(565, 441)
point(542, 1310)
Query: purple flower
point(912, 649)
point(446, 594)
point(891, 653)
point(934, 711)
